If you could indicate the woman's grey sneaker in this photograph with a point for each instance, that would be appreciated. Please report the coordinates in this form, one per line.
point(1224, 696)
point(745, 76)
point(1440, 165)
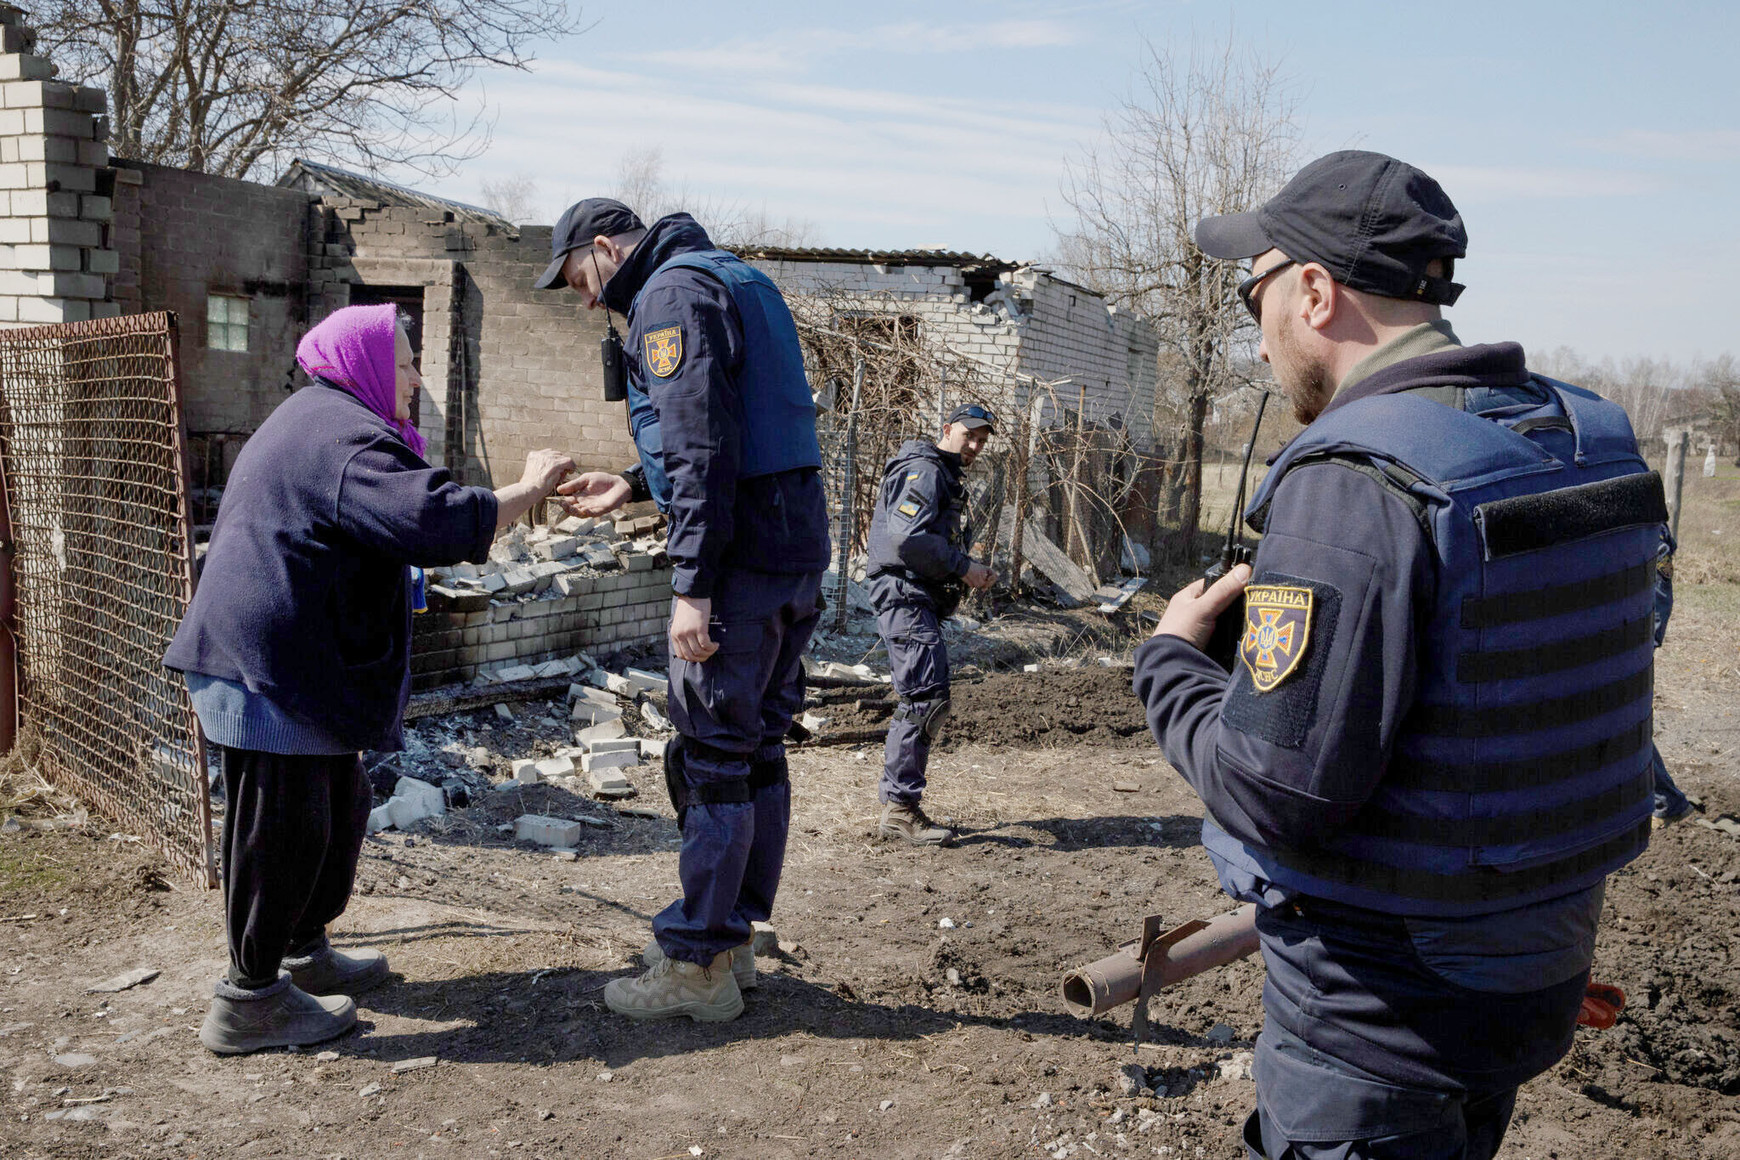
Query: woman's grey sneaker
point(742, 963)
point(281, 1015)
point(908, 822)
point(331, 972)
point(673, 987)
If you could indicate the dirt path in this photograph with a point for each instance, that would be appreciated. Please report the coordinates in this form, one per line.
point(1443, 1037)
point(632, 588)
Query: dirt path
point(878, 1033)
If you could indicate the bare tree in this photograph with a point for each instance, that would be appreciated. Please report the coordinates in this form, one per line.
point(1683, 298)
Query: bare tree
point(640, 184)
point(514, 197)
point(1211, 133)
point(228, 86)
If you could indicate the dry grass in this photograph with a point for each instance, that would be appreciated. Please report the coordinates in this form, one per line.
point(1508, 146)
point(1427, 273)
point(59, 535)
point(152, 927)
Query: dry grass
point(25, 793)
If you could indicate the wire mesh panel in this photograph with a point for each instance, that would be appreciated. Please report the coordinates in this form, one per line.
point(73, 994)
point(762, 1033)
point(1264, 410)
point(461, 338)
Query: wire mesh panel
point(93, 449)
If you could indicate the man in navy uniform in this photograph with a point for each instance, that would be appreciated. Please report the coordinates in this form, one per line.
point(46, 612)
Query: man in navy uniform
point(1435, 742)
point(725, 427)
point(918, 571)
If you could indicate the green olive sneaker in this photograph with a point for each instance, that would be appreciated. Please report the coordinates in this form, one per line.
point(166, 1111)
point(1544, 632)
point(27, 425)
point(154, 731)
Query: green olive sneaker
point(673, 987)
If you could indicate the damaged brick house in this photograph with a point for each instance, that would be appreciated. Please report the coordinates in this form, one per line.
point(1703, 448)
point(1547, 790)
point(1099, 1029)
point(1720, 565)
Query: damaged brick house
point(247, 267)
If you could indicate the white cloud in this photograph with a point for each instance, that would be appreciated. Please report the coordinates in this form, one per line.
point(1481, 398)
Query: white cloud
point(868, 166)
point(1507, 182)
point(799, 50)
point(1719, 145)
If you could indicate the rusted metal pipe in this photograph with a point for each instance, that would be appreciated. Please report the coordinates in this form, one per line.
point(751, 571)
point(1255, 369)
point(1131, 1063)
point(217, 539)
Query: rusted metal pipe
point(8, 639)
point(1164, 959)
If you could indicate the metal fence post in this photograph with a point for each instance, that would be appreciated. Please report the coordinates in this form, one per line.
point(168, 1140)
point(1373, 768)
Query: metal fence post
point(848, 490)
point(1676, 477)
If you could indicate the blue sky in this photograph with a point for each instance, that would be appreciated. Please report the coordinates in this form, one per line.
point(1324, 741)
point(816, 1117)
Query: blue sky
point(1593, 148)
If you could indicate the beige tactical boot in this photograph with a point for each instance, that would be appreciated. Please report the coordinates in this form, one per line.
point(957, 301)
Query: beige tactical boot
point(742, 963)
point(673, 987)
point(908, 822)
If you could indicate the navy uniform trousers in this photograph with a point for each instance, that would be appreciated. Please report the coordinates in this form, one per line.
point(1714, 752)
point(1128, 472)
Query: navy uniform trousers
point(738, 705)
point(919, 663)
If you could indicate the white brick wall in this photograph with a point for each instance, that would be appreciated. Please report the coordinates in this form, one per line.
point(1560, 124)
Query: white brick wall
point(55, 261)
point(1032, 324)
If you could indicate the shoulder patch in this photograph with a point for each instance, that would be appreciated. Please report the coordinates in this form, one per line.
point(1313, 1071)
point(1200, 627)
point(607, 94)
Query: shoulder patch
point(907, 508)
point(1277, 632)
point(1289, 626)
point(662, 347)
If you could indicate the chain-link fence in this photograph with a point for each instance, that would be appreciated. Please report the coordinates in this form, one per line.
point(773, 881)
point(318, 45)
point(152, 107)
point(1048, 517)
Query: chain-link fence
point(94, 458)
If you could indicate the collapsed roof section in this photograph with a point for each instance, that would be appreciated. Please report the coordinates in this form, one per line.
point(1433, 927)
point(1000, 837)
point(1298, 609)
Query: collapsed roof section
point(311, 177)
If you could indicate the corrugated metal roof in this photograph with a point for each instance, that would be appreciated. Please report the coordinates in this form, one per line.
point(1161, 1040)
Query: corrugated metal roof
point(872, 257)
point(328, 180)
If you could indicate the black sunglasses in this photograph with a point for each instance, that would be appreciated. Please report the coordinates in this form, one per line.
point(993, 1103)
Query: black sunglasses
point(1249, 286)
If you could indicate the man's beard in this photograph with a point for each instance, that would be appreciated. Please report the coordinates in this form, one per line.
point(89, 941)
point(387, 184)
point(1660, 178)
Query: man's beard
point(1303, 380)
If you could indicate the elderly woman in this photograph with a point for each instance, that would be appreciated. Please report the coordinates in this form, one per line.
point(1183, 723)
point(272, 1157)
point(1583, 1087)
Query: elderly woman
point(297, 654)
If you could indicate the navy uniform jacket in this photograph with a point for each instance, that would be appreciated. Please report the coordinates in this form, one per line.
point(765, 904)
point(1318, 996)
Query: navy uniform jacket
point(915, 549)
point(775, 523)
point(1340, 525)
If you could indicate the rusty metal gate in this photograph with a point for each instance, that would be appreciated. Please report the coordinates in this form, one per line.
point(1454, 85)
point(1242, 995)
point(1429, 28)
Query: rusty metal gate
point(93, 449)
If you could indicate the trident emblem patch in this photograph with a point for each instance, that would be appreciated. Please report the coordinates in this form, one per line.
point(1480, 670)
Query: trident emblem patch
point(1277, 626)
point(664, 350)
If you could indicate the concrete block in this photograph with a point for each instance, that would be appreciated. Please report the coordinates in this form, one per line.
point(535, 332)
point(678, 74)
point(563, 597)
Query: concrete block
point(587, 713)
point(600, 557)
point(575, 525)
point(648, 682)
point(556, 548)
point(428, 797)
point(814, 722)
point(603, 730)
point(654, 719)
point(546, 831)
point(609, 783)
point(516, 673)
point(622, 686)
point(639, 562)
point(502, 712)
point(518, 582)
point(601, 761)
point(613, 745)
point(380, 818)
point(597, 696)
point(573, 584)
point(526, 771)
point(651, 750)
point(554, 767)
point(764, 940)
point(551, 669)
point(460, 599)
point(495, 583)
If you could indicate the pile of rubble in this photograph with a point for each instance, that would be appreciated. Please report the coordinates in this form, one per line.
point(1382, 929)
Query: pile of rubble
point(592, 766)
point(543, 563)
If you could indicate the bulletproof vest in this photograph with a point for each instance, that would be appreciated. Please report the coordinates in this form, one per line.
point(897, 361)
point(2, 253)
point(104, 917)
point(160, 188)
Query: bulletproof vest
point(778, 422)
point(1522, 770)
point(643, 426)
point(881, 558)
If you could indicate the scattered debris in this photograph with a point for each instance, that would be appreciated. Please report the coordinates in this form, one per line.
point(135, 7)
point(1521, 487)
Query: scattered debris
point(123, 982)
point(369, 1090)
point(417, 1064)
point(546, 831)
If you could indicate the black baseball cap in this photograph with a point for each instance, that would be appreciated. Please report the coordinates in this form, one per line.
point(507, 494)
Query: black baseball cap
point(1373, 222)
point(972, 415)
point(578, 225)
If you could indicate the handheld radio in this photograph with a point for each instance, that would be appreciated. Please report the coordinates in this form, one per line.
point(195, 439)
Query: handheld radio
point(1223, 645)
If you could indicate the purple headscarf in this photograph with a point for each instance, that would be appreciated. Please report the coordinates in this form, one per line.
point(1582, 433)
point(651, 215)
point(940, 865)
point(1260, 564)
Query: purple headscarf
point(353, 348)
